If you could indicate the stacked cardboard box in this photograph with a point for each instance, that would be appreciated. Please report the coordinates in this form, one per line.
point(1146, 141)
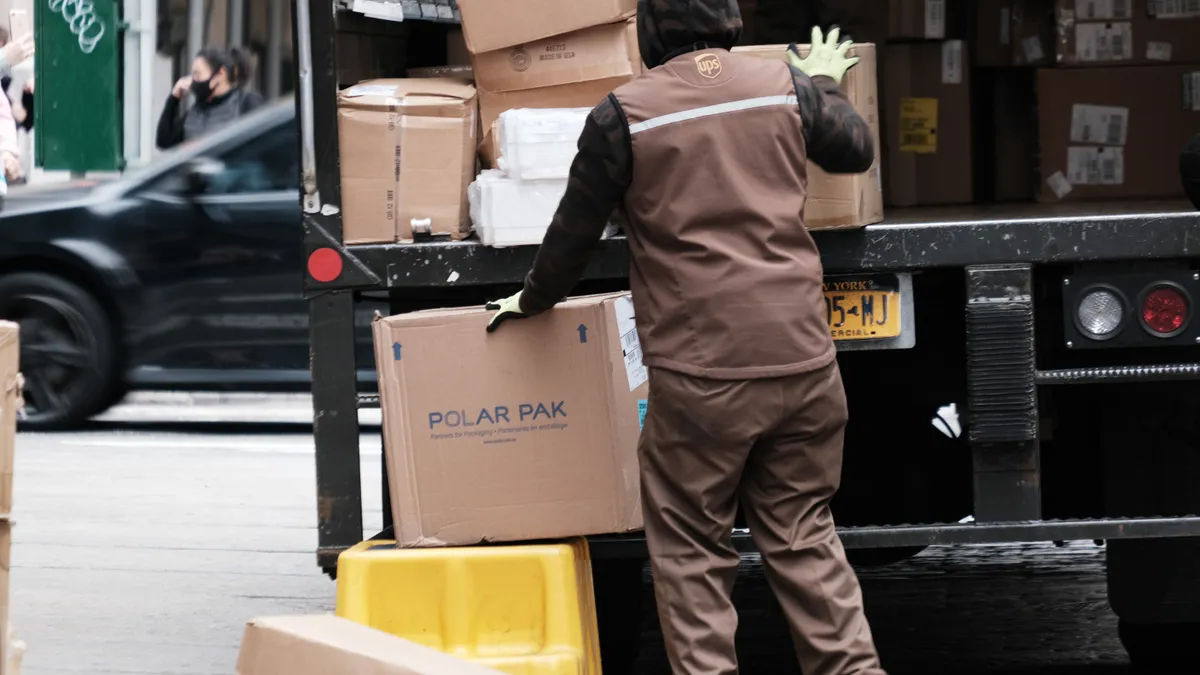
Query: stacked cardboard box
point(10, 405)
point(407, 156)
point(925, 78)
point(551, 54)
point(1107, 130)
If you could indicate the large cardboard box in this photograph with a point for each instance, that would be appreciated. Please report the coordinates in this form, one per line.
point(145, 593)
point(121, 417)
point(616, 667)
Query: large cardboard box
point(10, 406)
point(407, 156)
point(1126, 32)
point(526, 433)
point(926, 124)
point(326, 644)
point(1112, 133)
point(594, 53)
point(5, 563)
point(495, 24)
point(842, 201)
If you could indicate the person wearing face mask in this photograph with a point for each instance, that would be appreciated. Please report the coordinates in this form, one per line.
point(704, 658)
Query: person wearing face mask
point(216, 84)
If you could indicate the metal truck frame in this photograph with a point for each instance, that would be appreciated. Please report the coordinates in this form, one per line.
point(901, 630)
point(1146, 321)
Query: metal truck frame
point(988, 295)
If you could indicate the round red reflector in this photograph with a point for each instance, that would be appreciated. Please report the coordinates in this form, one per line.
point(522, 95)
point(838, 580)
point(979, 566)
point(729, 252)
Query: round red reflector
point(1165, 310)
point(325, 265)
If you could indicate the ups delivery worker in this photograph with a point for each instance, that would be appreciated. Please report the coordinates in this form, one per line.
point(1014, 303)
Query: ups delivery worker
point(706, 155)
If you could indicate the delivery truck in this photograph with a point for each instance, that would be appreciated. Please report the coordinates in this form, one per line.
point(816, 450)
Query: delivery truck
point(1016, 372)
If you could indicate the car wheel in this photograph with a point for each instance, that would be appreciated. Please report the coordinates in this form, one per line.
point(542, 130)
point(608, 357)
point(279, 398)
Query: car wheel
point(68, 353)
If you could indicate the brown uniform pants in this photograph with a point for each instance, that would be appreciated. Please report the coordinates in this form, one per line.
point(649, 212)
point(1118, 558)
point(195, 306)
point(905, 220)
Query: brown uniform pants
point(775, 446)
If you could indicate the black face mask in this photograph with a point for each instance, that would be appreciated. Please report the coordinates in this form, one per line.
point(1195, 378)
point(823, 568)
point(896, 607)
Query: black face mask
point(202, 89)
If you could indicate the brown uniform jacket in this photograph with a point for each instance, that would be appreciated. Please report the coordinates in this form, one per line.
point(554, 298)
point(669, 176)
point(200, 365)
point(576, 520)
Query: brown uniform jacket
point(706, 155)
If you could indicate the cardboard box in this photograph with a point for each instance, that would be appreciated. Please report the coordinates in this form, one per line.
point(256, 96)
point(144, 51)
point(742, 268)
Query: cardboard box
point(919, 19)
point(407, 156)
point(495, 24)
point(596, 53)
point(839, 201)
point(1013, 32)
point(10, 406)
point(326, 644)
point(927, 124)
point(5, 564)
point(526, 433)
point(992, 43)
point(1126, 32)
point(1032, 33)
point(574, 95)
point(1112, 133)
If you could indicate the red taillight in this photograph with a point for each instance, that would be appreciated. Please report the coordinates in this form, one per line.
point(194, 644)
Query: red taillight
point(324, 265)
point(1165, 310)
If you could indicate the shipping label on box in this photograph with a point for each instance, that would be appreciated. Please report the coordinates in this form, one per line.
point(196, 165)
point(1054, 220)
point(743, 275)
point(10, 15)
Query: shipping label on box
point(1174, 9)
point(526, 433)
point(918, 125)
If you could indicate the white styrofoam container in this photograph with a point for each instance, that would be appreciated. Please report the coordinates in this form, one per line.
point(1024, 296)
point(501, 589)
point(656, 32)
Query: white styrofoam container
point(538, 144)
point(510, 212)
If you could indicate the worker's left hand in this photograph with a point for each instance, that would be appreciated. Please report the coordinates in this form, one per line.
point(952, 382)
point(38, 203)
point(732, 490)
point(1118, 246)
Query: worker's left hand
point(508, 308)
point(826, 57)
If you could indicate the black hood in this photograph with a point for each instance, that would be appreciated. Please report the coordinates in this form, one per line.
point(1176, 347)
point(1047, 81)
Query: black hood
point(669, 28)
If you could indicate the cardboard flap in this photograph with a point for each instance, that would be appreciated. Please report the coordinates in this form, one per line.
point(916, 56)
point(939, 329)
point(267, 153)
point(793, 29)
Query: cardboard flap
point(391, 93)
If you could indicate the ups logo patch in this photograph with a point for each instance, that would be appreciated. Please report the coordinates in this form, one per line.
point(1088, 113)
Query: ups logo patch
point(708, 65)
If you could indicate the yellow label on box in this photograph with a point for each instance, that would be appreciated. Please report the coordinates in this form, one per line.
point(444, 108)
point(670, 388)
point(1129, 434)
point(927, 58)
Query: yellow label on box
point(918, 125)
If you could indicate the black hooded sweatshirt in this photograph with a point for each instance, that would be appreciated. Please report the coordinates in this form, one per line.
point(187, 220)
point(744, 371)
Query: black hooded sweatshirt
point(837, 139)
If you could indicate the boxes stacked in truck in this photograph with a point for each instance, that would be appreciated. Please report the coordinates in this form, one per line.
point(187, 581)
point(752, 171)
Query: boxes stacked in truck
point(1107, 130)
point(551, 54)
point(407, 156)
point(533, 148)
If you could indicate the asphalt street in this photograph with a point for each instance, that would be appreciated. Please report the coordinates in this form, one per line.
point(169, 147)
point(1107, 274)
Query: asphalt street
point(143, 544)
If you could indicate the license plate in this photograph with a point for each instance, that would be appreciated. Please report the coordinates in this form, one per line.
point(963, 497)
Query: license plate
point(863, 307)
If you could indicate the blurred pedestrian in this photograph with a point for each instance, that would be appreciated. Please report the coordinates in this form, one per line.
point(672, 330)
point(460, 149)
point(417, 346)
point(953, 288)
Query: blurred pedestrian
point(217, 83)
point(12, 53)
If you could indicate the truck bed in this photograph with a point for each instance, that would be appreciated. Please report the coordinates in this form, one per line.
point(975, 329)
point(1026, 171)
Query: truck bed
point(908, 239)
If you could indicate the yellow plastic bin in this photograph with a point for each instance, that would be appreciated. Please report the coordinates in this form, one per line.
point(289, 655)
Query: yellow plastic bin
point(523, 610)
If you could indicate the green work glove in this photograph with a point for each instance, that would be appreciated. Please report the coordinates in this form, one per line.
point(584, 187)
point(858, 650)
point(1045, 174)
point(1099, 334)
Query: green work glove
point(826, 57)
point(508, 308)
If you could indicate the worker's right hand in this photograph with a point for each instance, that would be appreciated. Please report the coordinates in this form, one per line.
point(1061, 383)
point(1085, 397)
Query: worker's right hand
point(826, 57)
point(18, 50)
point(182, 87)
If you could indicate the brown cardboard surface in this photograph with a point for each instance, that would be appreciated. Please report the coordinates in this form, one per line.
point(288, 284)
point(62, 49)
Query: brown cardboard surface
point(325, 644)
point(1155, 39)
point(407, 154)
point(494, 24)
point(843, 201)
point(924, 19)
point(526, 433)
point(926, 115)
point(1032, 33)
point(5, 594)
point(574, 95)
point(1151, 98)
point(10, 405)
point(992, 44)
point(595, 53)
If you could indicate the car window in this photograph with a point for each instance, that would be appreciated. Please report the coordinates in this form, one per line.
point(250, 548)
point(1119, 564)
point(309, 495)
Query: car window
point(269, 164)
